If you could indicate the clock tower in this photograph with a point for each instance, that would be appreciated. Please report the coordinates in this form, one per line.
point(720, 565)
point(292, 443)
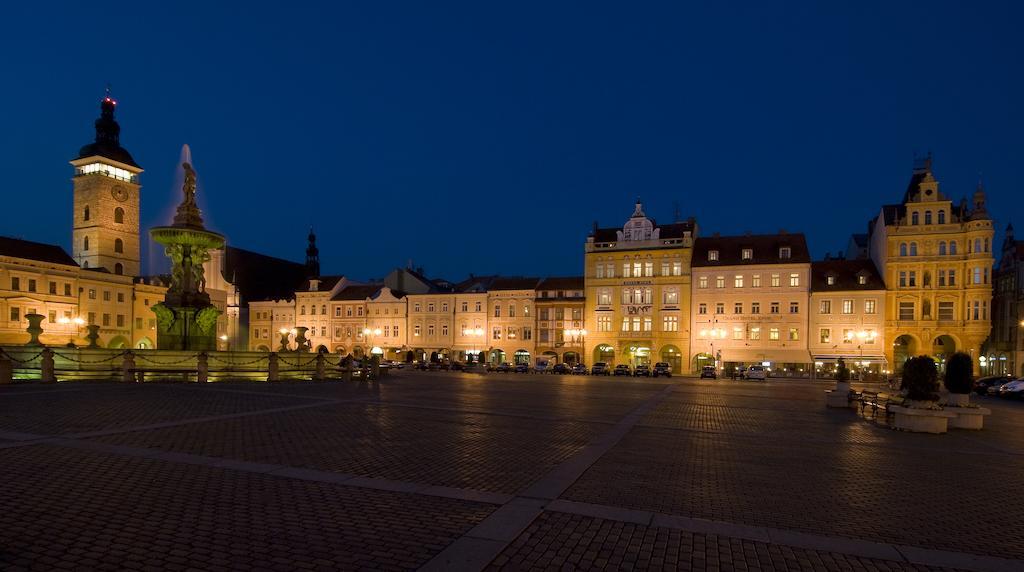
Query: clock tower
point(106, 200)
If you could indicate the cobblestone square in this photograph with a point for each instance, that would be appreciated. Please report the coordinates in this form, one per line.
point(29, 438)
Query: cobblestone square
point(470, 472)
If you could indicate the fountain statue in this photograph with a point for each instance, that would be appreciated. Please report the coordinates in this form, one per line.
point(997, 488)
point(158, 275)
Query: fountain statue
point(185, 319)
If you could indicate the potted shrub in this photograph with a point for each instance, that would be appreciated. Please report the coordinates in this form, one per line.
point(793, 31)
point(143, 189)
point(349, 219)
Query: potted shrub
point(958, 378)
point(840, 396)
point(921, 412)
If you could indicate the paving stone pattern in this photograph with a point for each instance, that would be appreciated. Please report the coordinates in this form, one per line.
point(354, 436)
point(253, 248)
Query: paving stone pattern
point(559, 541)
point(266, 485)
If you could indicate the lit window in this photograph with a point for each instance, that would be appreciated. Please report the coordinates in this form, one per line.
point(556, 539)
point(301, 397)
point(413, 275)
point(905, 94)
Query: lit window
point(847, 306)
point(747, 254)
point(785, 252)
point(738, 281)
point(712, 255)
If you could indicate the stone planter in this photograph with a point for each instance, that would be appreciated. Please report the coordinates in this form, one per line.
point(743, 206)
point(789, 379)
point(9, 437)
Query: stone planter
point(968, 417)
point(958, 399)
point(838, 397)
point(920, 420)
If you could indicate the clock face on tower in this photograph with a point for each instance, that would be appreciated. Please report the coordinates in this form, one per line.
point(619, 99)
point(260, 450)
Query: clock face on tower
point(119, 193)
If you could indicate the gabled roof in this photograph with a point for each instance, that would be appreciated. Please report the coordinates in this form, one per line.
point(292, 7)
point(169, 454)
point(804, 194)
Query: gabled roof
point(38, 251)
point(765, 249)
point(477, 284)
point(261, 277)
point(357, 292)
point(513, 283)
point(845, 275)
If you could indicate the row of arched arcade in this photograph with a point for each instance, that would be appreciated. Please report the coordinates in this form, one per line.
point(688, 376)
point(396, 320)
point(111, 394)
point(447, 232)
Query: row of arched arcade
point(638, 353)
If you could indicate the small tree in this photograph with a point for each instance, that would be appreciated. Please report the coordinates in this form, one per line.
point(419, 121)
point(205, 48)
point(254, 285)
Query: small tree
point(921, 379)
point(842, 372)
point(959, 368)
point(469, 358)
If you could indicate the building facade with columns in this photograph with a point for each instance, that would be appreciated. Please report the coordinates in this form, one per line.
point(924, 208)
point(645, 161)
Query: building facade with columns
point(936, 260)
point(637, 282)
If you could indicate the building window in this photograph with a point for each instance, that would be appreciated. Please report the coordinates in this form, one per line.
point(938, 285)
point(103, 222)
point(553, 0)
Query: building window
point(649, 268)
point(15, 314)
point(862, 280)
point(337, 311)
point(670, 324)
point(430, 307)
point(737, 308)
point(497, 310)
point(794, 334)
point(830, 280)
point(747, 254)
point(604, 297)
point(913, 249)
point(31, 285)
point(477, 307)
point(754, 333)
point(927, 217)
point(720, 308)
point(430, 330)
point(625, 324)
point(495, 332)
point(106, 295)
point(604, 324)
point(53, 288)
point(599, 270)
point(773, 308)
point(648, 324)
point(120, 297)
point(903, 279)
point(394, 331)
point(952, 277)
point(785, 253)
point(977, 276)
point(677, 268)
point(636, 324)
point(825, 335)
point(120, 320)
point(776, 280)
point(671, 297)
point(465, 306)
point(755, 281)
point(67, 289)
point(359, 311)
point(942, 217)
point(702, 308)
point(869, 306)
point(665, 268)
point(755, 307)
point(913, 279)
point(106, 319)
point(444, 306)
point(302, 310)
point(118, 268)
point(847, 336)
point(85, 243)
point(92, 293)
point(720, 282)
point(946, 310)
point(737, 333)
point(119, 215)
point(906, 311)
point(85, 213)
point(444, 329)
point(915, 219)
point(794, 307)
point(625, 269)
point(847, 306)
point(702, 282)
point(323, 309)
point(713, 255)
point(825, 307)
point(511, 310)
point(794, 279)
point(738, 281)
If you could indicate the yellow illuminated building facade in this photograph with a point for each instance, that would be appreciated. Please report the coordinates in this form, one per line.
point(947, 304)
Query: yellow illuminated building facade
point(936, 260)
point(637, 282)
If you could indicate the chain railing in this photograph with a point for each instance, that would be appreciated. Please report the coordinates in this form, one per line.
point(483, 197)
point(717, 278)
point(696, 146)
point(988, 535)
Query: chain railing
point(33, 363)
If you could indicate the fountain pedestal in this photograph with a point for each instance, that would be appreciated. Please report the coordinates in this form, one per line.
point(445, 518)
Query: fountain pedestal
point(185, 319)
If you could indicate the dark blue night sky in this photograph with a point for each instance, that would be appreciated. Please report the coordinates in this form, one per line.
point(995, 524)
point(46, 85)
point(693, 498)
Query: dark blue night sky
point(486, 138)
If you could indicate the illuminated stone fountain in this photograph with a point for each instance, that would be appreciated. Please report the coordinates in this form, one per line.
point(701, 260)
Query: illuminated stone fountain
point(185, 319)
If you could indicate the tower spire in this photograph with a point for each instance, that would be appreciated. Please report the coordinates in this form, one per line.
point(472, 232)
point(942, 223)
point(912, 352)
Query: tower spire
point(312, 256)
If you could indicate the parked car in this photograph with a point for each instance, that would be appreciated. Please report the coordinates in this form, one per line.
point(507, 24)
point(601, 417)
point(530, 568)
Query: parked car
point(757, 372)
point(600, 368)
point(642, 370)
point(708, 371)
point(622, 369)
point(1013, 389)
point(661, 368)
point(521, 368)
point(560, 368)
point(541, 367)
point(503, 367)
point(579, 369)
point(990, 384)
point(457, 366)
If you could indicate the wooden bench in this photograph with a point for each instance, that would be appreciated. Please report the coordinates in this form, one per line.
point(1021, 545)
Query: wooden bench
point(877, 400)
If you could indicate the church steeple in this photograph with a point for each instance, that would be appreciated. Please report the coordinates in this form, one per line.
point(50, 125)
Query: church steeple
point(108, 136)
point(312, 257)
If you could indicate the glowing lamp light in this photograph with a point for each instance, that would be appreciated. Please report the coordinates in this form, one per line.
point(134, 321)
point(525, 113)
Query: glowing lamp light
point(283, 331)
point(223, 337)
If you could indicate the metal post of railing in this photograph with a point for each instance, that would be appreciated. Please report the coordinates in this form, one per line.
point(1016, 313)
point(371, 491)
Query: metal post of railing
point(128, 367)
point(202, 367)
point(273, 374)
point(6, 369)
point(46, 366)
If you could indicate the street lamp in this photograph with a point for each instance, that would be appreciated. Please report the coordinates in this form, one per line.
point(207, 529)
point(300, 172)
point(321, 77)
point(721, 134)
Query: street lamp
point(474, 334)
point(578, 337)
point(77, 321)
point(224, 338)
point(369, 337)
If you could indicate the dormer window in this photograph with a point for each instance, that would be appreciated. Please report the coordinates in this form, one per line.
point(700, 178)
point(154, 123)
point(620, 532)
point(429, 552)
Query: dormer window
point(747, 254)
point(862, 280)
point(785, 253)
point(830, 280)
point(713, 255)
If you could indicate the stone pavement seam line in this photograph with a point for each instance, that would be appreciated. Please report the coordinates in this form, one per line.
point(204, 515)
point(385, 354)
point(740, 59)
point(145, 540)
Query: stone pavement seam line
point(792, 538)
point(475, 411)
point(484, 542)
point(283, 471)
point(180, 422)
point(207, 387)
